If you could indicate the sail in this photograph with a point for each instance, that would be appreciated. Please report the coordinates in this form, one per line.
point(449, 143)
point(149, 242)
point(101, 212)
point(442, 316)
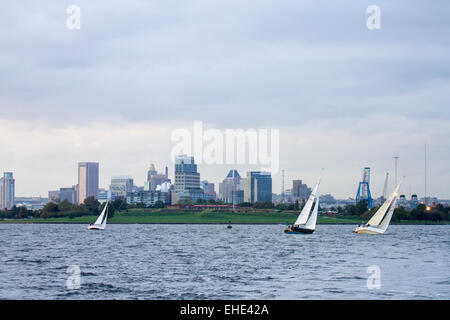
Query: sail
point(378, 216)
point(385, 223)
point(101, 220)
point(311, 224)
point(303, 216)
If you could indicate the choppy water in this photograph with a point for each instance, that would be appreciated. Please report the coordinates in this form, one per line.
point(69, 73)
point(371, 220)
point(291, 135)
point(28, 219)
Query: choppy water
point(212, 262)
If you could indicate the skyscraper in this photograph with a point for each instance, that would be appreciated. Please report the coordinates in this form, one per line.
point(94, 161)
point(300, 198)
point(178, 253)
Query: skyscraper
point(258, 187)
point(228, 185)
point(7, 190)
point(187, 180)
point(87, 180)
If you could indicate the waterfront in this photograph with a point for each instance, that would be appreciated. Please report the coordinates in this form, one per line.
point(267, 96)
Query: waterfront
point(211, 262)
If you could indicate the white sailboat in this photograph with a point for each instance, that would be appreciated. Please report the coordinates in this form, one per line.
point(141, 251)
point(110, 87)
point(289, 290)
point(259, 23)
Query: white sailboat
point(306, 221)
point(100, 223)
point(381, 219)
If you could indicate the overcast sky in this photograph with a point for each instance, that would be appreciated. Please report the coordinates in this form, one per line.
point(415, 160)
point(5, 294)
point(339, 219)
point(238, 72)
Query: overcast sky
point(343, 96)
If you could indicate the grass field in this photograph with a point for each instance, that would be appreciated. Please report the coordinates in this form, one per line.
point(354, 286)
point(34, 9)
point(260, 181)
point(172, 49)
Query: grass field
point(158, 216)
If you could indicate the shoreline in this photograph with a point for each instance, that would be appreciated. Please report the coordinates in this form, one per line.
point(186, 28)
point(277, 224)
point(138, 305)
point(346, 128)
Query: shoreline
point(216, 223)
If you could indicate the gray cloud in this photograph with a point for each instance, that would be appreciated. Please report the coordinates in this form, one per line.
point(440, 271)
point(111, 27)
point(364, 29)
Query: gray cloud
point(232, 63)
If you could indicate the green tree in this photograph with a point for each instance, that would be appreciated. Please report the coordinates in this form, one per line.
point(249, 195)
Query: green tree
point(92, 205)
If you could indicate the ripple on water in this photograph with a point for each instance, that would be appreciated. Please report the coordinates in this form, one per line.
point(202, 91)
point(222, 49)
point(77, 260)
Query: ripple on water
point(209, 262)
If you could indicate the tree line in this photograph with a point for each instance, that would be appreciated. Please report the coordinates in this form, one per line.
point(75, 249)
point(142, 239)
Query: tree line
point(420, 213)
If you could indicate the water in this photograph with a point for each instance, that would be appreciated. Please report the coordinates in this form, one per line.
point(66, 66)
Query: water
point(212, 262)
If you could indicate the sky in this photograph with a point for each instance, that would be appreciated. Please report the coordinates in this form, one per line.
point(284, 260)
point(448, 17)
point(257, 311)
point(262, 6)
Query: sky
point(342, 96)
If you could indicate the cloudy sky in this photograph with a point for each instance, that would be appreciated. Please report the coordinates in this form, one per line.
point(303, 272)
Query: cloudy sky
point(343, 96)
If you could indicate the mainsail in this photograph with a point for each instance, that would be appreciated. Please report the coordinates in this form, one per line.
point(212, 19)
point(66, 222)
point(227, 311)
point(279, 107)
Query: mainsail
point(303, 216)
point(384, 224)
point(311, 224)
point(101, 220)
point(378, 216)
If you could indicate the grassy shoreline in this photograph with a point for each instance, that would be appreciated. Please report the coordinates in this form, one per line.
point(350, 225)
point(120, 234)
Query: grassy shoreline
point(148, 216)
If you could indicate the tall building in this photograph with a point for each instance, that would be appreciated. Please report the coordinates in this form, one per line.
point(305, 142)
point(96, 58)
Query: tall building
point(87, 180)
point(258, 187)
point(187, 180)
point(186, 175)
point(121, 185)
point(7, 191)
point(231, 183)
point(155, 179)
point(300, 191)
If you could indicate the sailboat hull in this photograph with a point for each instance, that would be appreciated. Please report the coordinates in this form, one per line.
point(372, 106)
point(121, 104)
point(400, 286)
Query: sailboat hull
point(96, 227)
point(368, 230)
point(298, 231)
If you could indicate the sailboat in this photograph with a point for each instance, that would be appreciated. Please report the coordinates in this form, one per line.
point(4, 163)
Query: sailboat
point(100, 223)
point(381, 219)
point(306, 221)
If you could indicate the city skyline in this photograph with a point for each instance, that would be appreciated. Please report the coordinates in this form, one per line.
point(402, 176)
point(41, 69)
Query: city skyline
point(342, 96)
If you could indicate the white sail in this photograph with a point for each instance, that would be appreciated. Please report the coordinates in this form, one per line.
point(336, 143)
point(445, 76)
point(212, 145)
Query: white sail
point(385, 223)
point(311, 224)
point(303, 216)
point(101, 220)
point(378, 216)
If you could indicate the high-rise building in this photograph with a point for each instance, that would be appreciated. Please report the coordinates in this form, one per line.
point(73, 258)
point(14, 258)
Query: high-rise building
point(187, 180)
point(258, 187)
point(7, 191)
point(87, 180)
point(186, 175)
point(231, 183)
point(300, 191)
point(155, 179)
point(121, 185)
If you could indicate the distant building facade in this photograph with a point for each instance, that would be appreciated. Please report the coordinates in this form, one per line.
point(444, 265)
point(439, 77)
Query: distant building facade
point(88, 177)
point(258, 187)
point(69, 194)
point(187, 181)
point(231, 183)
point(7, 191)
point(300, 191)
point(155, 179)
point(208, 188)
point(149, 198)
point(121, 185)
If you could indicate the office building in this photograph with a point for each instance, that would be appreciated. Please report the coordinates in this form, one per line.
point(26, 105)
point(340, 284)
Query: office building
point(149, 198)
point(155, 179)
point(208, 188)
point(88, 176)
point(121, 185)
point(7, 191)
point(187, 181)
point(258, 187)
point(231, 183)
point(300, 191)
